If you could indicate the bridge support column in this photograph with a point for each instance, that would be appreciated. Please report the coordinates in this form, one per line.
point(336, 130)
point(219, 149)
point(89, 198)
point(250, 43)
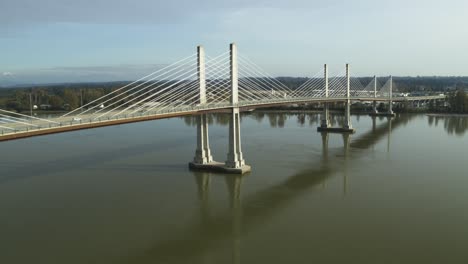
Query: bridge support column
point(390, 102)
point(235, 158)
point(389, 133)
point(374, 107)
point(347, 127)
point(347, 121)
point(325, 122)
point(203, 152)
point(374, 103)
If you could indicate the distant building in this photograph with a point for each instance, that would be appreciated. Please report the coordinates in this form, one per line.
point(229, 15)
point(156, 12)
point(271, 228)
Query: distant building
point(45, 106)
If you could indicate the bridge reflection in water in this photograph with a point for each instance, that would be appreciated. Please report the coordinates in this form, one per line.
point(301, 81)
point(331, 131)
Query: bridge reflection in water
point(247, 214)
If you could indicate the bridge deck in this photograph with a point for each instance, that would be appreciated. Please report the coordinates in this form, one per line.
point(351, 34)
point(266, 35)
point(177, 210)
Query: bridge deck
point(88, 121)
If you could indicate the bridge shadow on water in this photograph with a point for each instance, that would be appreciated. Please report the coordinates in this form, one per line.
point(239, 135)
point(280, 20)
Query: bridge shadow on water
point(275, 118)
point(25, 169)
point(247, 214)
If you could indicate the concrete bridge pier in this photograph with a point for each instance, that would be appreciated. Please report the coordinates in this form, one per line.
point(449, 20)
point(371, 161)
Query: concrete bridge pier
point(374, 103)
point(325, 122)
point(389, 134)
point(347, 127)
point(235, 161)
point(374, 108)
point(203, 152)
point(203, 160)
point(390, 99)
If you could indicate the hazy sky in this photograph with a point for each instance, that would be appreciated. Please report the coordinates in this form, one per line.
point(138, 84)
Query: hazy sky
point(59, 40)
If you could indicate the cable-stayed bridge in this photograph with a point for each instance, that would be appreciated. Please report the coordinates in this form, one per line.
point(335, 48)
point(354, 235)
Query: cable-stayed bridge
point(200, 84)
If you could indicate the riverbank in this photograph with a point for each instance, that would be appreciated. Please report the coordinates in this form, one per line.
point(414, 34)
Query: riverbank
point(448, 115)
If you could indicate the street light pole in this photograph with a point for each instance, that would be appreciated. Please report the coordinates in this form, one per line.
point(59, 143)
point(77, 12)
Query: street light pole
point(30, 103)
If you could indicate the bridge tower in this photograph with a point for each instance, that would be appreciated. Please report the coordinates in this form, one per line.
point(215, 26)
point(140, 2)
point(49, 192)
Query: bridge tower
point(325, 123)
point(347, 124)
point(390, 102)
point(374, 103)
point(203, 152)
point(203, 160)
point(390, 99)
point(235, 159)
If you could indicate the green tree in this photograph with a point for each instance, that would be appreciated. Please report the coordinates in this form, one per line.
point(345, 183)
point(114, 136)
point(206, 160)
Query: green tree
point(56, 102)
point(71, 98)
point(13, 105)
point(459, 102)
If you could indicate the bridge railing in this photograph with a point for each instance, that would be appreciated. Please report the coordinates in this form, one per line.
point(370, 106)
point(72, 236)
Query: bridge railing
point(70, 121)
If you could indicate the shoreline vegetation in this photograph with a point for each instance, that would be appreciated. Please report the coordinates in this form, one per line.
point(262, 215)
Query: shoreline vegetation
point(354, 113)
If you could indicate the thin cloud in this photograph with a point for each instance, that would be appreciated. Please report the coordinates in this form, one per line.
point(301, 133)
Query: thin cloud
point(81, 74)
point(20, 12)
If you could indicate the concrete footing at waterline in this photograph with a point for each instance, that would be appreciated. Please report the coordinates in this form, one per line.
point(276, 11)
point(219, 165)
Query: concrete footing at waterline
point(220, 167)
point(382, 114)
point(336, 130)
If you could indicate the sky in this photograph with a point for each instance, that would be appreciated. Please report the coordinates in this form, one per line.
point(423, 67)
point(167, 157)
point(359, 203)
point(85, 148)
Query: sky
point(107, 40)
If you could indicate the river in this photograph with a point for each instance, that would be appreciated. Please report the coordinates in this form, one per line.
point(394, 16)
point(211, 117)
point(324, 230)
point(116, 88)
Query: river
point(394, 192)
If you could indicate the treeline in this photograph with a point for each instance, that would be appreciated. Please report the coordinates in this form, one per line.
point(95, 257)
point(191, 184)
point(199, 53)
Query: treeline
point(65, 97)
point(430, 84)
point(402, 84)
point(54, 97)
point(458, 102)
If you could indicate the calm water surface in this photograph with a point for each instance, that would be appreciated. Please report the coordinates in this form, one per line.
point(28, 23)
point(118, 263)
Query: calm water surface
point(394, 192)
